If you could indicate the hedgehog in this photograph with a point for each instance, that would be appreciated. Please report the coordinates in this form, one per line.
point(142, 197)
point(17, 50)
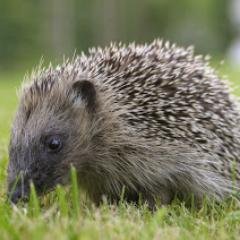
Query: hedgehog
point(154, 121)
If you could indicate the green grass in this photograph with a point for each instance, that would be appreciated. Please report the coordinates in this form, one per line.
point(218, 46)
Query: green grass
point(67, 214)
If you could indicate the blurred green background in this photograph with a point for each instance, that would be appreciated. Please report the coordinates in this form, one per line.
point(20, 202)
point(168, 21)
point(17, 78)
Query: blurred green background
point(31, 29)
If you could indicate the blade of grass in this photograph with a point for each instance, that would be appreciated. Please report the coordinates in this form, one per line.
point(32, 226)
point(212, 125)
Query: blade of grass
point(34, 205)
point(75, 192)
point(62, 201)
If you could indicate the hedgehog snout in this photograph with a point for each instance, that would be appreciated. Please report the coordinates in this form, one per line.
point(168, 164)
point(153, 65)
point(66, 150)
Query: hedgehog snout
point(18, 190)
point(18, 195)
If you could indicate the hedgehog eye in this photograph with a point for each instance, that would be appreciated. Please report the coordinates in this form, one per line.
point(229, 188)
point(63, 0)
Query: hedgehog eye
point(53, 143)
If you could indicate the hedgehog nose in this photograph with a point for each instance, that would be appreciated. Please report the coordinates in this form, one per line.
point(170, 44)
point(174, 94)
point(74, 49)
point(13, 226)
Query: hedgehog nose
point(18, 195)
point(15, 196)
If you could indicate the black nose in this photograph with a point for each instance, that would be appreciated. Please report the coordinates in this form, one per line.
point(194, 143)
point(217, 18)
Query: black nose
point(17, 195)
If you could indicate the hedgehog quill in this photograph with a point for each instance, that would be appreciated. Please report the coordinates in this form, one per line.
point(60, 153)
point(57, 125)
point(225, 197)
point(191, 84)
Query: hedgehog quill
point(154, 119)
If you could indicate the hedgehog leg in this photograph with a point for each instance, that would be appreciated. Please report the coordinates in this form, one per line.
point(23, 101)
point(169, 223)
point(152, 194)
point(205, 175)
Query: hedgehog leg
point(154, 202)
point(150, 200)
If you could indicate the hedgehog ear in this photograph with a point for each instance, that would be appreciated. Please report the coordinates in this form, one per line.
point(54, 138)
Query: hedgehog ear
point(85, 90)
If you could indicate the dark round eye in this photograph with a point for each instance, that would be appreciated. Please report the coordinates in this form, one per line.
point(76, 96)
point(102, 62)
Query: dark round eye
point(54, 143)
